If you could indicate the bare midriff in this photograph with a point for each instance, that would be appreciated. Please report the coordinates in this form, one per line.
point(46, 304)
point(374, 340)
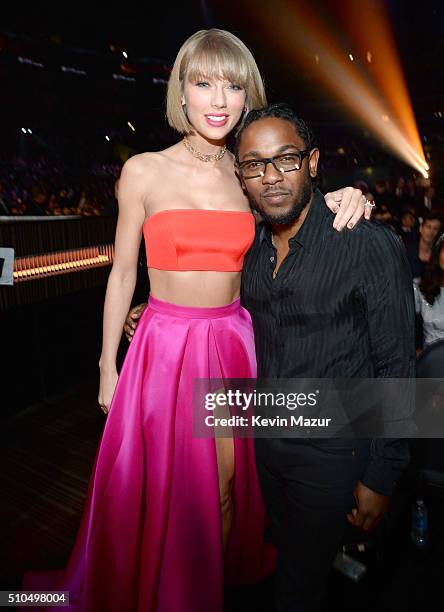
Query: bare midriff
point(204, 289)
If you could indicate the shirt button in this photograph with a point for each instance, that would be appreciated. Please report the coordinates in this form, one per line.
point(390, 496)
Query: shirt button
point(272, 259)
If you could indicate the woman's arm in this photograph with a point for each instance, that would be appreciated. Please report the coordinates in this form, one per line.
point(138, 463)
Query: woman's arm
point(123, 275)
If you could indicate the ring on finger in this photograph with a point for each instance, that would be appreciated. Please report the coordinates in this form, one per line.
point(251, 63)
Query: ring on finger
point(369, 204)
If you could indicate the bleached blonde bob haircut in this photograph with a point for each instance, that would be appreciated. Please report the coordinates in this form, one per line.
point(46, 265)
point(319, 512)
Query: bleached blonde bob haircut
point(212, 54)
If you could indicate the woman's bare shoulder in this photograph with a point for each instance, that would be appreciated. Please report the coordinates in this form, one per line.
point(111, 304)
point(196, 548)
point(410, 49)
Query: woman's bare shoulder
point(139, 164)
point(145, 164)
point(143, 177)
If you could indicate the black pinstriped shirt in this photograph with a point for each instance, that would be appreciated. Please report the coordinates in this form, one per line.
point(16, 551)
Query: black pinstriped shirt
point(340, 306)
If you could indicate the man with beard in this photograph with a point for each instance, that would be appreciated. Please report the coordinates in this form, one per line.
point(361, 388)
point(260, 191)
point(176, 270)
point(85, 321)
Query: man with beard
point(324, 305)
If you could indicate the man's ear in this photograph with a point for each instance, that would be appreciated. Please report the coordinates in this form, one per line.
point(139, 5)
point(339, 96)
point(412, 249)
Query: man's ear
point(313, 161)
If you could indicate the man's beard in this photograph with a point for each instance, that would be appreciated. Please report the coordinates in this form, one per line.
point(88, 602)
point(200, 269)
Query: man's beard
point(287, 218)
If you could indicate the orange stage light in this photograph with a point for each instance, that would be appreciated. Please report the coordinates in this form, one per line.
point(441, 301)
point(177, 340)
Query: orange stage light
point(378, 98)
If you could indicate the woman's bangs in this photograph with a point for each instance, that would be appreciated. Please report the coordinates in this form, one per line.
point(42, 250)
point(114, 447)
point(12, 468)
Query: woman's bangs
point(218, 63)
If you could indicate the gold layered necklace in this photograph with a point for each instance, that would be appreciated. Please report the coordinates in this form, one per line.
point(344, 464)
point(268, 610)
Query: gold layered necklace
point(202, 156)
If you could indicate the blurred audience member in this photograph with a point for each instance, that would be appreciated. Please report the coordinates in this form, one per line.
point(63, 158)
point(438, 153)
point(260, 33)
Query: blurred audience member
point(410, 194)
point(63, 200)
point(408, 225)
point(429, 296)
point(362, 185)
point(406, 194)
point(383, 214)
point(429, 231)
point(52, 205)
point(384, 199)
point(45, 186)
point(4, 208)
point(420, 252)
point(17, 205)
point(400, 190)
point(82, 202)
point(37, 203)
point(429, 198)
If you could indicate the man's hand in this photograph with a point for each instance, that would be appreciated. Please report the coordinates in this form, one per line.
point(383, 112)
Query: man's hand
point(371, 508)
point(132, 318)
point(349, 204)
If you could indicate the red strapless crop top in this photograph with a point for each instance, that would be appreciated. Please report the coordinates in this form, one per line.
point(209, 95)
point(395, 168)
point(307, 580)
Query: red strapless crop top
point(198, 239)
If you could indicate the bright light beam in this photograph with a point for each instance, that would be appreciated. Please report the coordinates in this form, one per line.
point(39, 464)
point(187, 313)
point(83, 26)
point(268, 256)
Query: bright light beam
point(299, 32)
point(388, 74)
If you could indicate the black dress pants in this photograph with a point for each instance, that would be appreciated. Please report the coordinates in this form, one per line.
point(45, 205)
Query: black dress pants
point(308, 490)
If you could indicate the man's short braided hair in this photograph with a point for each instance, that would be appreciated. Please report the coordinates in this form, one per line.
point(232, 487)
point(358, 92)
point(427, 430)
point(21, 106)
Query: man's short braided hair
point(280, 111)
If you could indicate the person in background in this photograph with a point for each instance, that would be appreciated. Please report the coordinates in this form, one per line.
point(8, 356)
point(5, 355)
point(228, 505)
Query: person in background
point(429, 198)
point(419, 251)
point(37, 202)
point(64, 201)
point(382, 213)
point(83, 200)
point(4, 209)
point(407, 221)
point(362, 185)
point(52, 205)
point(384, 199)
point(400, 192)
point(429, 296)
point(407, 228)
point(411, 198)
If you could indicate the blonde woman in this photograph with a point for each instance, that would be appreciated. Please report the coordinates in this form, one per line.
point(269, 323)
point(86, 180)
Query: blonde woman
point(169, 515)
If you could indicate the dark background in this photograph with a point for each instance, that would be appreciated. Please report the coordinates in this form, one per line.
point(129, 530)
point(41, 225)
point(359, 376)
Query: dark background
point(70, 114)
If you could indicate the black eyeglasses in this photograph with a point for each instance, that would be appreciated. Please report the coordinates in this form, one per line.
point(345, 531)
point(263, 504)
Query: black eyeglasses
point(254, 168)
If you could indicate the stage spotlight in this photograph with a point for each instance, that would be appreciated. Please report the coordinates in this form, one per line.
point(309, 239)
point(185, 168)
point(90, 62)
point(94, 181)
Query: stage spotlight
point(125, 54)
point(387, 74)
point(24, 130)
point(29, 131)
point(379, 100)
point(107, 138)
point(131, 126)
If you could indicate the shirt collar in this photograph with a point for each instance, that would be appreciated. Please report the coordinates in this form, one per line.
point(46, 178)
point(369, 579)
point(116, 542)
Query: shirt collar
point(317, 214)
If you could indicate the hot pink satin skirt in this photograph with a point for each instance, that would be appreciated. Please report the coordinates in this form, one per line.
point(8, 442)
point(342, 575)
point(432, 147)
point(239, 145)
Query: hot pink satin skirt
point(150, 538)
